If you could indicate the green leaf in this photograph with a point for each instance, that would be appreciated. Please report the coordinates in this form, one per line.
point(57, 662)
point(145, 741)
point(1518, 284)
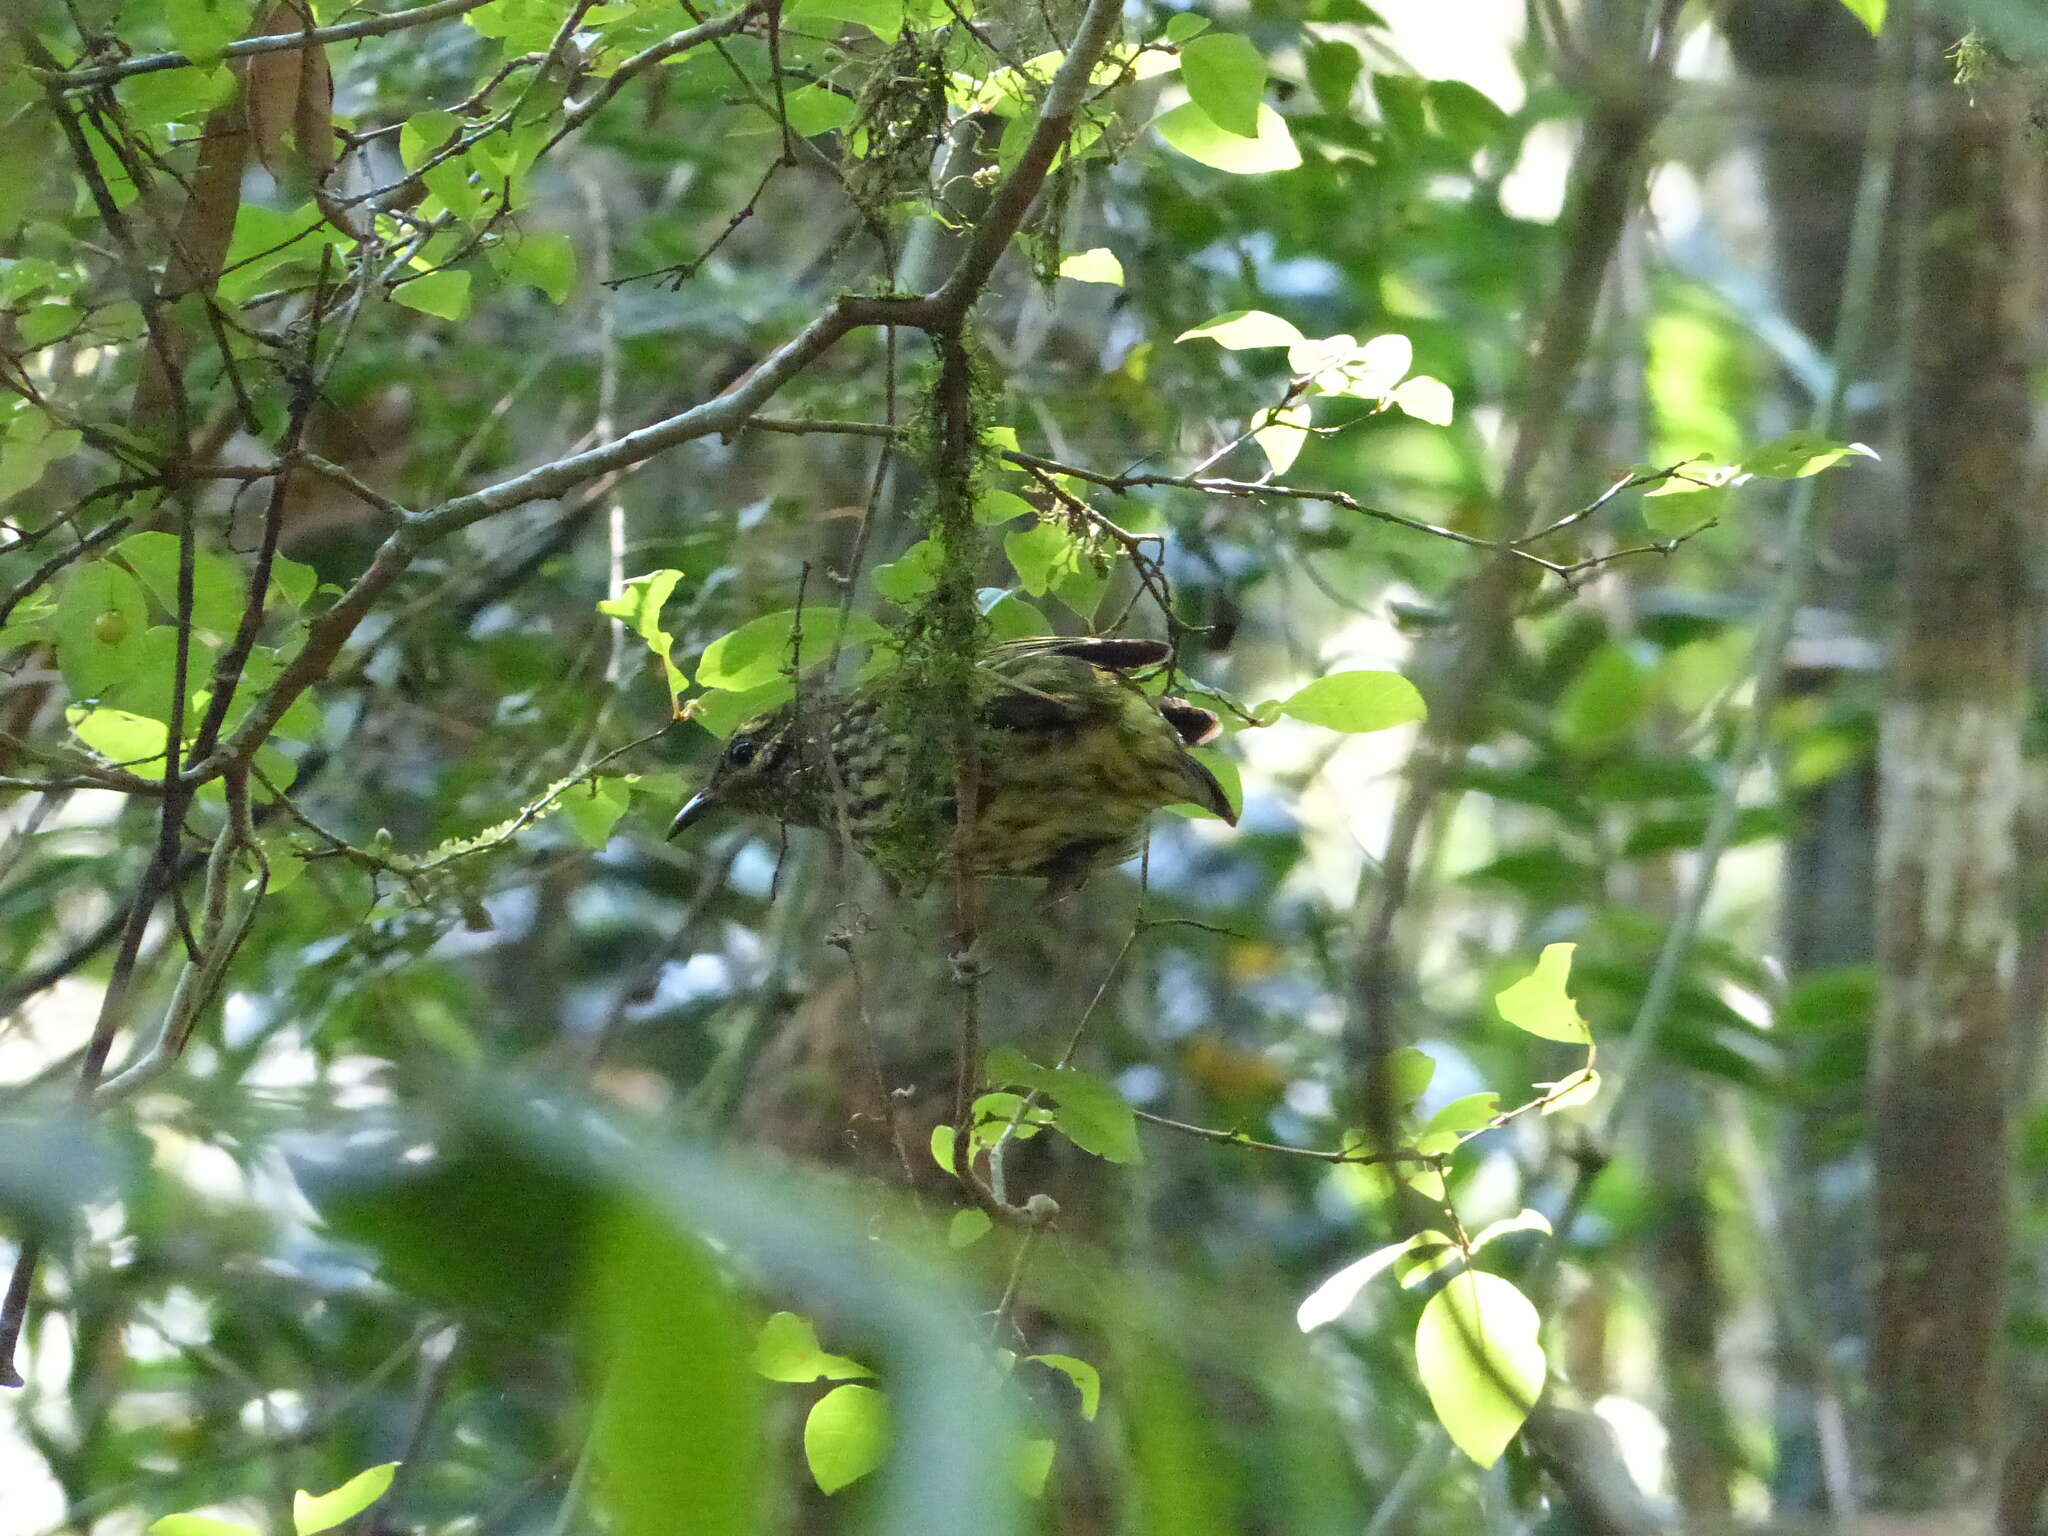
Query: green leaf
point(1243, 329)
point(593, 809)
point(202, 29)
point(269, 238)
point(1539, 1003)
point(788, 1350)
point(1409, 1072)
point(1464, 114)
point(846, 1436)
point(1000, 506)
point(1571, 1091)
point(129, 740)
point(1425, 1254)
point(1097, 265)
point(1604, 702)
point(1333, 1298)
point(912, 574)
point(1282, 435)
point(1086, 1379)
point(313, 1512)
point(46, 322)
point(721, 713)
point(1333, 69)
point(1226, 77)
point(200, 1525)
point(1524, 1220)
point(1473, 1112)
point(443, 294)
point(1184, 25)
point(967, 1228)
point(819, 109)
point(1870, 12)
point(884, 18)
point(680, 1412)
point(759, 651)
point(546, 260)
point(1044, 554)
point(425, 135)
point(219, 589)
point(100, 618)
point(1356, 702)
point(1010, 617)
point(1799, 454)
point(1481, 1361)
point(639, 607)
point(1191, 131)
point(292, 581)
point(1031, 1466)
point(1087, 1110)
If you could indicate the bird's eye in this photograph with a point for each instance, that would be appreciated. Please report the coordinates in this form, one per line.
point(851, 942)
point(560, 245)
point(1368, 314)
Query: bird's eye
point(741, 752)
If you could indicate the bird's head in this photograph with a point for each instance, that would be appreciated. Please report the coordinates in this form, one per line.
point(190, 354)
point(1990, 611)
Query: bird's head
point(756, 772)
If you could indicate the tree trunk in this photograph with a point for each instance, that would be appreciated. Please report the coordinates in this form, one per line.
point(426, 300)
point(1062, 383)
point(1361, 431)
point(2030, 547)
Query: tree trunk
point(1950, 779)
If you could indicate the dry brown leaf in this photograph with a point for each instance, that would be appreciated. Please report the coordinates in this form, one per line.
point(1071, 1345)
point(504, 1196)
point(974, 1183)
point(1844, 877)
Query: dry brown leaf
point(288, 96)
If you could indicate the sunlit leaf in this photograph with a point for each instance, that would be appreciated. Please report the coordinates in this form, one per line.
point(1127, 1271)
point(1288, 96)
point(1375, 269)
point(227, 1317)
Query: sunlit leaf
point(1539, 1003)
point(1424, 1255)
point(1281, 436)
point(1334, 1297)
point(788, 1350)
point(1086, 1379)
point(1481, 1361)
point(846, 1436)
point(593, 809)
point(1356, 702)
point(444, 294)
point(1226, 77)
point(1195, 134)
point(639, 607)
point(1425, 399)
point(1800, 454)
point(1087, 1110)
point(1242, 329)
point(313, 1512)
point(130, 740)
point(200, 1525)
point(759, 651)
point(1580, 1088)
point(1522, 1221)
point(1098, 265)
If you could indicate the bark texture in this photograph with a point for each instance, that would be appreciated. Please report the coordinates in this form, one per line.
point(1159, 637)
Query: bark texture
point(1950, 784)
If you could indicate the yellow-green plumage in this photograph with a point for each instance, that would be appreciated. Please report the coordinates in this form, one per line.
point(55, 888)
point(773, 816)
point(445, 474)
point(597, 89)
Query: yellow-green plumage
point(1071, 758)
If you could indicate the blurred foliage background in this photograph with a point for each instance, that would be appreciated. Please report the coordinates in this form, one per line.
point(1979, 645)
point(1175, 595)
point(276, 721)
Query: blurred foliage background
point(436, 1111)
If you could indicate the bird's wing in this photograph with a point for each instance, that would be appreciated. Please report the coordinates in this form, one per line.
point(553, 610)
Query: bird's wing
point(1113, 653)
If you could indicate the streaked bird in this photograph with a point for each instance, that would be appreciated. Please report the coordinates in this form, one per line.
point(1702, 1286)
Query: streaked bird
point(1072, 756)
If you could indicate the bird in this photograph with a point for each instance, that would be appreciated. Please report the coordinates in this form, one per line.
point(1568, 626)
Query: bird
point(1071, 758)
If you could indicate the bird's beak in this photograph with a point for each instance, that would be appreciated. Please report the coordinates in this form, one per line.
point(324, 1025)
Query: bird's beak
point(699, 806)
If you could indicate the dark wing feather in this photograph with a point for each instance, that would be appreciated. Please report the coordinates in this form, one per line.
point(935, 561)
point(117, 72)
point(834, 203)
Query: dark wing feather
point(1197, 726)
point(1112, 653)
